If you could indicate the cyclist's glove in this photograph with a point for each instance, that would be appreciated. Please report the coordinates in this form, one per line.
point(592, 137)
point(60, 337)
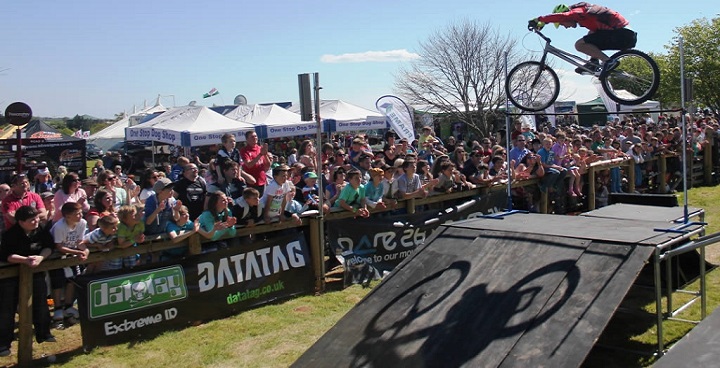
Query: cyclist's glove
point(535, 24)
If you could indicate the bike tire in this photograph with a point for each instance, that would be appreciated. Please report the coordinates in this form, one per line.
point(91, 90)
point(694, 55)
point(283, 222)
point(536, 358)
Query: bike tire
point(637, 74)
point(532, 86)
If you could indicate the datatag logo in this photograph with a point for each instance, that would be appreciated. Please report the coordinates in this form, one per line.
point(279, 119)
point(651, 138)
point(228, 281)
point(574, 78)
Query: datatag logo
point(136, 291)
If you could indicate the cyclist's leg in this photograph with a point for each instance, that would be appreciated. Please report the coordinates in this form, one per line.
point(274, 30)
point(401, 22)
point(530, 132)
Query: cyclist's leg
point(592, 45)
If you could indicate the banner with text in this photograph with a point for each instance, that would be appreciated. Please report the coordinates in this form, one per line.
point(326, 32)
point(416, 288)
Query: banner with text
point(152, 299)
point(375, 245)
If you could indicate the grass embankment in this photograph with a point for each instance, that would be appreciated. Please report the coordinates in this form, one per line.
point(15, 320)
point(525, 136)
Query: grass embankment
point(275, 335)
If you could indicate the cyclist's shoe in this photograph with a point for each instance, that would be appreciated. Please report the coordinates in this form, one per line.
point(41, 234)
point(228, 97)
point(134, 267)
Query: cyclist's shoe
point(592, 65)
point(610, 65)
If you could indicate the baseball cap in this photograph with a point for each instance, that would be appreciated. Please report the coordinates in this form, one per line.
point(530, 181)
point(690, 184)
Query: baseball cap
point(310, 175)
point(161, 184)
point(47, 194)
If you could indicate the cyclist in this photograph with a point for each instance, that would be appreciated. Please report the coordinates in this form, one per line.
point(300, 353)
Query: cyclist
point(606, 26)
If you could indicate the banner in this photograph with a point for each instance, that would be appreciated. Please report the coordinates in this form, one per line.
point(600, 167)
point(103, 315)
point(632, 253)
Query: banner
point(370, 247)
point(211, 93)
point(399, 115)
point(149, 300)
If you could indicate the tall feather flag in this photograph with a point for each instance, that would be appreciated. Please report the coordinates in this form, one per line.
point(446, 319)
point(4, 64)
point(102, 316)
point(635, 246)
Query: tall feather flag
point(212, 92)
point(398, 114)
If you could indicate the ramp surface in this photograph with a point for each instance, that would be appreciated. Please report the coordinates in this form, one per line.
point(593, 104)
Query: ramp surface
point(489, 293)
point(699, 348)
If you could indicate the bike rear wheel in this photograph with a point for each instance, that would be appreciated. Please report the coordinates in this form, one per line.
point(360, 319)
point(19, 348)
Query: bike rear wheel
point(634, 81)
point(532, 86)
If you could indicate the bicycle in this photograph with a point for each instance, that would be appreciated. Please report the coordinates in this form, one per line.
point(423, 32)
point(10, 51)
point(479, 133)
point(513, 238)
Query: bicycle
point(534, 86)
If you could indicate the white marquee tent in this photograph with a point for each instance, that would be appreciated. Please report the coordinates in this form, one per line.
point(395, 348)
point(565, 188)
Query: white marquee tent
point(273, 121)
point(188, 126)
point(107, 137)
point(348, 117)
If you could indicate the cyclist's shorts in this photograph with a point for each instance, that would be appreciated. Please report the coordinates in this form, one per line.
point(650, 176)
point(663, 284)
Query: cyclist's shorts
point(616, 39)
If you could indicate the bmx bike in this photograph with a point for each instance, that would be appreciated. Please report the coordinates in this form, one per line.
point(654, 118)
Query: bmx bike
point(534, 85)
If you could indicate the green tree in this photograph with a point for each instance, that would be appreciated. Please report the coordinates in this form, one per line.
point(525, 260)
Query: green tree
point(461, 73)
point(702, 64)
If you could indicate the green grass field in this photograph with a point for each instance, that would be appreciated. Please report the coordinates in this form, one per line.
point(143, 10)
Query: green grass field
point(275, 335)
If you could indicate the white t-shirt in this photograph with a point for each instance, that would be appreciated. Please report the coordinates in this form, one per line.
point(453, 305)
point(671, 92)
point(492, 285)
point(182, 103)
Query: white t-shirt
point(68, 237)
point(278, 193)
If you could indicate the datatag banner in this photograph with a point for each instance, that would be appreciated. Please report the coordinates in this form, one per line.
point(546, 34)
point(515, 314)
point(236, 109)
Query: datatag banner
point(152, 299)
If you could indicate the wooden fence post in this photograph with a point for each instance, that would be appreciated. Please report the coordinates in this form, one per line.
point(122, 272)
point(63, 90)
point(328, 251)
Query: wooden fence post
point(318, 254)
point(631, 175)
point(25, 327)
point(591, 188)
point(194, 245)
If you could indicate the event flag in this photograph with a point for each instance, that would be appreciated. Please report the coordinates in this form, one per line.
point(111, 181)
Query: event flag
point(78, 134)
point(212, 92)
point(398, 114)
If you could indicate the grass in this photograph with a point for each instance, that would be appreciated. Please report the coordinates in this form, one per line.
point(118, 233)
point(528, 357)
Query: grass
point(276, 335)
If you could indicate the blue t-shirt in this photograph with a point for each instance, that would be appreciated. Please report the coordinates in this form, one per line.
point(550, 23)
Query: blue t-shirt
point(158, 226)
point(207, 222)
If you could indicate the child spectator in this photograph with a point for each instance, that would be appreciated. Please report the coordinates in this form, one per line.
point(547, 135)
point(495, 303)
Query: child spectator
point(248, 208)
point(352, 197)
point(160, 207)
point(177, 231)
point(275, 198)
point(103, 238)
point(24, 243)
point(374, 189)
point(311, 192)
point(130, 232)
point(216, 222)
point(68, 235)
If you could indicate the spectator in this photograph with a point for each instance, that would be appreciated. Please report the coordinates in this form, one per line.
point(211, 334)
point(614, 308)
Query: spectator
point(216, 222)
point(70, 191)
point(248, 208)
point(227, 152)
point(409, 184)
point(111, 183)
point(256, 160)
point(554, 174)
point(352, 198)
point(230, 185)
point(24, 243)
point(177, 231)
point(177, 170)
point(274, 200)
point(160, 207)
point(332, 190)
point(103, 238)
point(19, 196)
point(43, 181)
point(374, 189)
point(149, 177)
point(191, 190)
point(130, 232)
point(103, 207)
point(89, 185)
point(519, 150)
point(311, 193)
point(68, 235)
point(47, 198)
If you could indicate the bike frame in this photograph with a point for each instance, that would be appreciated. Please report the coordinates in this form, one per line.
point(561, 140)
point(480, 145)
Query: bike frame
point(562, 54)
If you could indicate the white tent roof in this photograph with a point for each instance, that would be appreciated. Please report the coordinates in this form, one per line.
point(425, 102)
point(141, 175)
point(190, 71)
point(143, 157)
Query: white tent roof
point(116, 131)
point(339, 110)
point(274, 120)
point(188, 126)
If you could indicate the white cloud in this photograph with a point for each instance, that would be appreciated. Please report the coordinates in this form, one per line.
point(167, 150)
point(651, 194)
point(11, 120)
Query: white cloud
point(371, 56)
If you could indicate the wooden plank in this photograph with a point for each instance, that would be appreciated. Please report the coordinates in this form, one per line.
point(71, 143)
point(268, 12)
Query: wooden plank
point(467, 296)
point(699, 348)
point(605, 273)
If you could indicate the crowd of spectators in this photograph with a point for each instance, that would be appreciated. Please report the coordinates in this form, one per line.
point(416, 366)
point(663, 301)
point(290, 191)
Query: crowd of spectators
point(248, 185)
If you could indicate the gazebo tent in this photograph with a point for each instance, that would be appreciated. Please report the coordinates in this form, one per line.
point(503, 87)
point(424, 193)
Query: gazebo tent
point(107, 137)
point(42, 142)
point(340, 116)
point(188, 126)
point(273, 121)
point(596, 109)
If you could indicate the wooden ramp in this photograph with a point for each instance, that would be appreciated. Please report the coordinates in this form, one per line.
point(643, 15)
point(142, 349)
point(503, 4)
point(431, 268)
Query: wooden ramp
point(528, 290)
point(699, 348)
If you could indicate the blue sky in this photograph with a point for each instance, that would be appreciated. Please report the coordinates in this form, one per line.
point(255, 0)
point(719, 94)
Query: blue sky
point(100, 58)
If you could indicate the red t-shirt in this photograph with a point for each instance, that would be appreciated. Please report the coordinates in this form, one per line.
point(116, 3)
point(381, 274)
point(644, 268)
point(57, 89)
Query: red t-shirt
point(11, 203)
point(592, 17)
point(258, 171)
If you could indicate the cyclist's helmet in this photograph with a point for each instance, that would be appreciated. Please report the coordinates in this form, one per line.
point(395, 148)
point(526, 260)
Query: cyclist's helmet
point(561, 8)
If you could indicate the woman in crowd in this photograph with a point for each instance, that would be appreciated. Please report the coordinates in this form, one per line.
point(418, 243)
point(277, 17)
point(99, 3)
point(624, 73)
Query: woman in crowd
point(216, 222)
point(103, 206)
point(332, 190)
point(70, 191)
point(149, 178)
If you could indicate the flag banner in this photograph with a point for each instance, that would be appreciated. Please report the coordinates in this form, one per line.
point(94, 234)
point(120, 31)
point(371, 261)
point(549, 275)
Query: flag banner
point(78, 134)
point(85, 134)
point(370, 247)
point(399, 115)
point(148, 300)
point(212, 92)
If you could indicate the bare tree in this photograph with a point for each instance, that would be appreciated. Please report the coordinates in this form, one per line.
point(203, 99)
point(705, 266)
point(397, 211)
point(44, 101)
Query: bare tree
point(461, 73)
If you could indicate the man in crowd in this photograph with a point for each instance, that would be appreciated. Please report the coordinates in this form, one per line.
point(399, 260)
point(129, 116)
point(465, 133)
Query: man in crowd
point(256, 160)
point(191, 191)
point(20, 195)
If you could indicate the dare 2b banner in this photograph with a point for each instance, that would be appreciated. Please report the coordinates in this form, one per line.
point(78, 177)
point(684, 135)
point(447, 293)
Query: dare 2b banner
point(149, 300)
point(370, 247)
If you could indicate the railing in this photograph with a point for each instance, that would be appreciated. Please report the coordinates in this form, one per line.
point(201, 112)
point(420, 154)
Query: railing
point(194, 241)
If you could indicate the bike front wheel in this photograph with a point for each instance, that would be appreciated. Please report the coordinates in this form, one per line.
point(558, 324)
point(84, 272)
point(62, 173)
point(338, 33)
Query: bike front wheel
point(532, 86)
point(635, 79)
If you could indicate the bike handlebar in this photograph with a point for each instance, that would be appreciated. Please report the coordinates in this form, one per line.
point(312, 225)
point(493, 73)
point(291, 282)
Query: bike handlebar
point(537, 31)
